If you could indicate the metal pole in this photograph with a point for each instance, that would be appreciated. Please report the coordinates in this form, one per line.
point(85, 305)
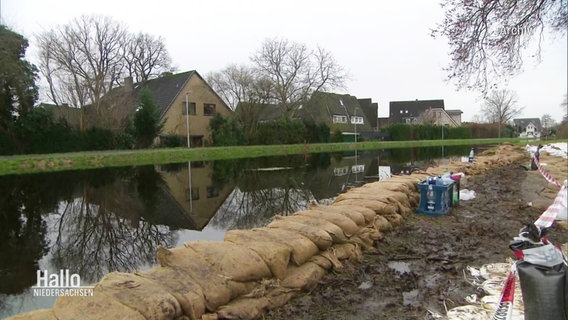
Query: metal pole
point(187, 117)
point(355, 134)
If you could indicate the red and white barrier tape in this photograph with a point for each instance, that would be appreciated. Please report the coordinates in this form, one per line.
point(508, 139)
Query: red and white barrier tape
point(547, 218)
point(545, 174)
point(505, 308)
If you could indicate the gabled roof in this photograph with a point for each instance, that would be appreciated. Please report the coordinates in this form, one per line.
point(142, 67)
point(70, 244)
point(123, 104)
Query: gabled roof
point(524, 122)
point(322, 106)
point(399, 110)
point(455, 112)
point(165, 89)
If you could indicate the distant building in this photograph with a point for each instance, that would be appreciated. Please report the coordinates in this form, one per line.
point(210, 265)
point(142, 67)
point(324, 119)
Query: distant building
point(421, 112)
point(528, 127)
point(409, 112)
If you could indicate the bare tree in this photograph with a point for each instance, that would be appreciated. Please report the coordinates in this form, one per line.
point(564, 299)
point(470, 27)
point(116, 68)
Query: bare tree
point(296, 72)
point(241, 85)
point(427, 117)
point(235, 84)
point(501, 107)
point(487, 38)
point(85, 59)
point(547, 121)
point(145, 57)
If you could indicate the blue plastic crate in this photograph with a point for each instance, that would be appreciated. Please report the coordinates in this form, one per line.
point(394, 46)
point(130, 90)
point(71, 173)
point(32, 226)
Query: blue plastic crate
point(443, 198)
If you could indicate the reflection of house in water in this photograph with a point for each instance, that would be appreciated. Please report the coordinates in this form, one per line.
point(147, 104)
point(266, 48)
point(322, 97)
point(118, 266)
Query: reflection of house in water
point(193, 193)
point(341, 173)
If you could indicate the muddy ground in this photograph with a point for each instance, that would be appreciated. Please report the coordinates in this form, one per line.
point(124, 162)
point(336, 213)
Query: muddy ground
point(419, 268)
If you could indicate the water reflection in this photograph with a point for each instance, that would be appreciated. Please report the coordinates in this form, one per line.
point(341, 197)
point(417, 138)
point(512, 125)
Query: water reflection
point(96, 221)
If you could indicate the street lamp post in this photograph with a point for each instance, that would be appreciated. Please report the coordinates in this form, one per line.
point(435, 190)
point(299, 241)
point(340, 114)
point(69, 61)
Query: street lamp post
point(187, 117)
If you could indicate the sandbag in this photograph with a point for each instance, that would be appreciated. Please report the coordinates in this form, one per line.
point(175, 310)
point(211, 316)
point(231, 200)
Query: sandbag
point(379, 207)
point(317, 235)
point(100, 306)
point(141, 294)
point(226, 255)
point(337, 235)
point(367, 213)
point(348, 251)
point(304, 277)
point(42, 314)
point(382, 224)
point(216, 289)
point(188, 293)
point(276, 255)
point(244, 308)
point(394, 219)
point(347, 225)
point(376, 194)
point(545, 291)
point(302, 248)
point(357, 217)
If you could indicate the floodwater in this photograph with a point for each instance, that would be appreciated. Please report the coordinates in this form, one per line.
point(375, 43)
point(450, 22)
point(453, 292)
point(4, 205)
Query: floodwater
point(92, 222)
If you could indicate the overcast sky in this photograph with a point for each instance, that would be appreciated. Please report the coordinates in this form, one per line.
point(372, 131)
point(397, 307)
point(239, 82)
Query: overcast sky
point(385, 45)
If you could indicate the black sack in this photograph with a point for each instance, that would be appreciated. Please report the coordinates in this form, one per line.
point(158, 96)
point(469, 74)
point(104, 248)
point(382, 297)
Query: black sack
point(545, 291)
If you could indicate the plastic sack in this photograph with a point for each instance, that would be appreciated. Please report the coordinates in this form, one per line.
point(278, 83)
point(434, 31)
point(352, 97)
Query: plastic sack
point(466, 194)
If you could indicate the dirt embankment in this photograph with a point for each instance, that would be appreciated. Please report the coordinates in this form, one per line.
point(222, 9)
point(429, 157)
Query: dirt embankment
point(419, 269)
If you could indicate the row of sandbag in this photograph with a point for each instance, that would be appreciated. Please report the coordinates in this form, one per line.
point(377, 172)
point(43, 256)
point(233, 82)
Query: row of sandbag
point(251, 271)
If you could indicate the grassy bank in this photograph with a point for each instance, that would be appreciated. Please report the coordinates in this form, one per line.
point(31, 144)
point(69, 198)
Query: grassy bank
point(21, 164)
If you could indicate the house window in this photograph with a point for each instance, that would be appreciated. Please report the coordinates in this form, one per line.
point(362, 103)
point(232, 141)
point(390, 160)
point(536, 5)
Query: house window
point(212, 192)
point(339, 119)
point(357, 120)
point(338, 172)
point(208, 109)
point(191, 108)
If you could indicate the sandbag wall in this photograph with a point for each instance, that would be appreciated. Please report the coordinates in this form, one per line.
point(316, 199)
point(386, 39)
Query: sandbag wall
point(255, 270)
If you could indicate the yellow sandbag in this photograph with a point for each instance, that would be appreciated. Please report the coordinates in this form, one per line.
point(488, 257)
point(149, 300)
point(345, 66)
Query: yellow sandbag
point(42, 314)
point(215, 287)
point(317, 235)
point(368, 196)
point(337, 235)
point(327, 259)
point(275, 254)
point(382, 224)
point(348, 251)
point(367, 213)
point(302, 248)
point(380, 194)
point(226, 255)
point(347, 225)
point(244, 308)
point(97, 307)
point(188, 293)
point(357, 217)
point(394, 219)
point(141, 294)
point(304, 277)
point(379, 207)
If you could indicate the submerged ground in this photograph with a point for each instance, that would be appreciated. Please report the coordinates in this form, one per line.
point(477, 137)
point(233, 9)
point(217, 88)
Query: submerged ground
point(420, 268)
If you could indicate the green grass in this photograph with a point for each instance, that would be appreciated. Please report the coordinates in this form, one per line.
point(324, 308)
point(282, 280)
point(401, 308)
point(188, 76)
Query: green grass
point(21, 164)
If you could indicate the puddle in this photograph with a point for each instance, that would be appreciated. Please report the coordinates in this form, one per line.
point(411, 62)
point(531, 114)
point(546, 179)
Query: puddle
point(400, 266)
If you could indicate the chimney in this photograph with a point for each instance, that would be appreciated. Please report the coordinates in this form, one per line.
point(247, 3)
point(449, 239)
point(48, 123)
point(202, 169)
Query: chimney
point(128, 84)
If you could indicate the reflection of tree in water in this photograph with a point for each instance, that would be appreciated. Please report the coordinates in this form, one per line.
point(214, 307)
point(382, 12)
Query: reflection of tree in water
point(24, 201)
point(106, 229)
point(261, 194)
